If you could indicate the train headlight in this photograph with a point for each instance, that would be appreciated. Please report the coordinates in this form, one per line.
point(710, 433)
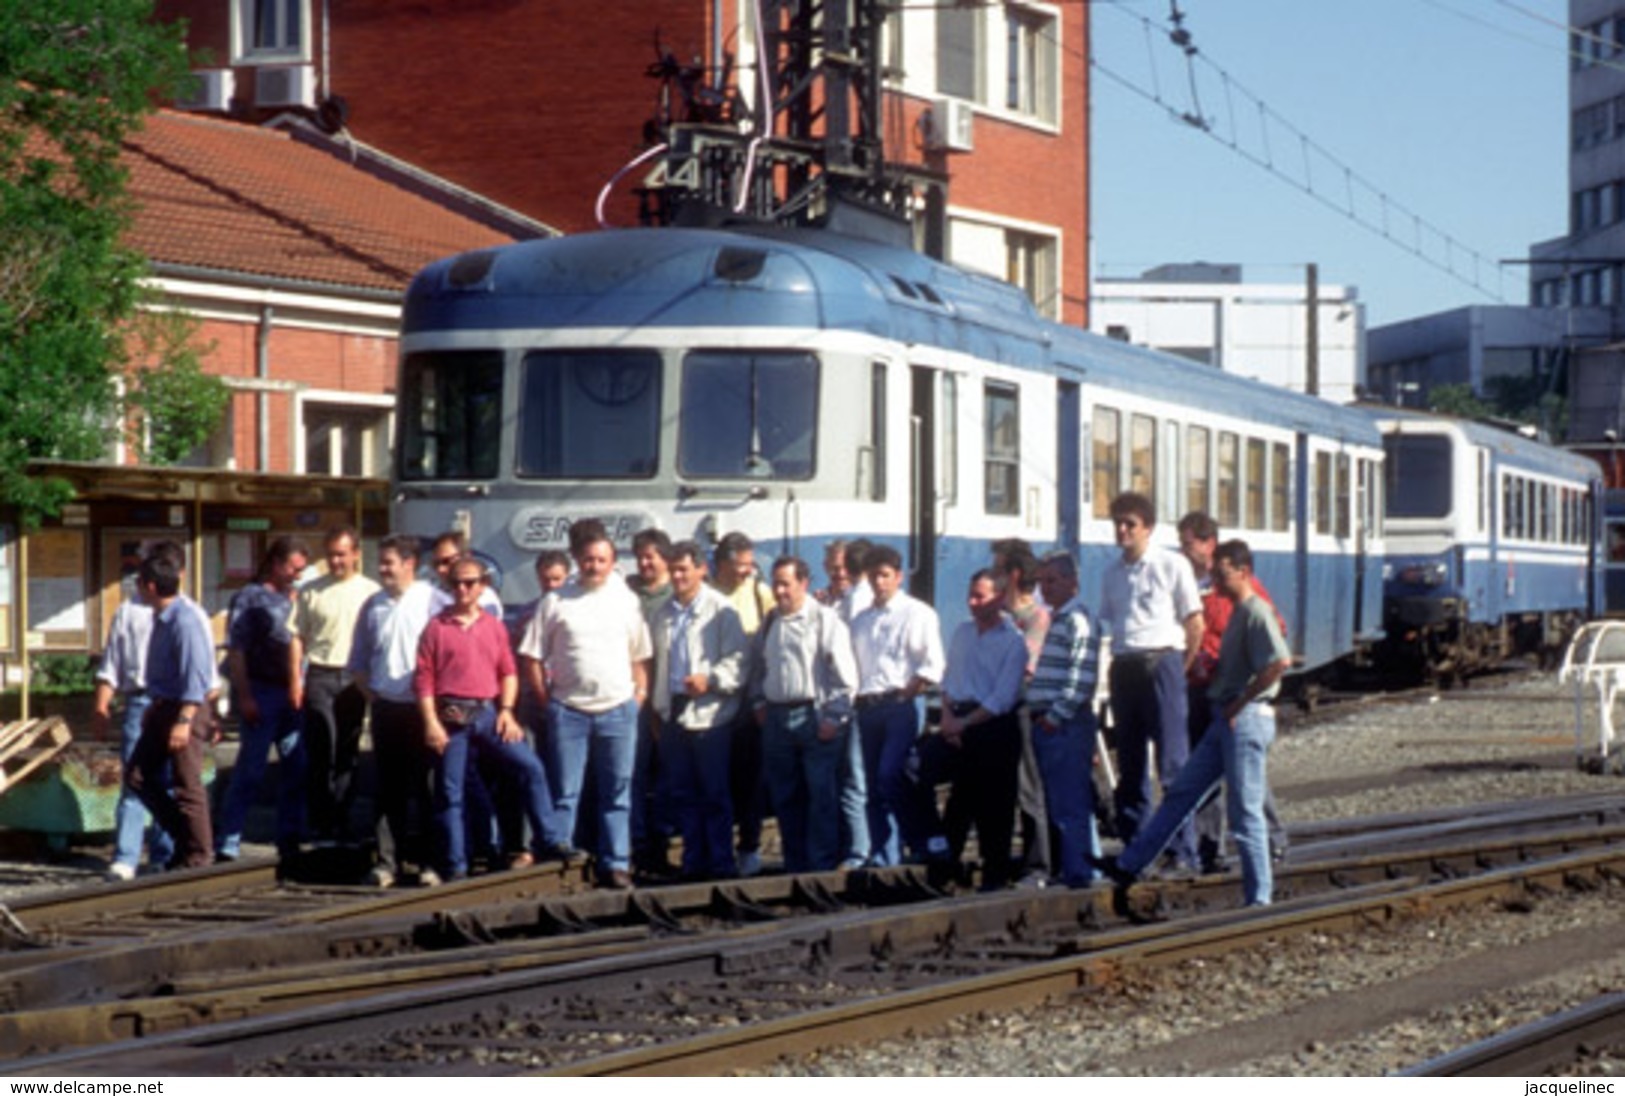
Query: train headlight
point(1425, 574)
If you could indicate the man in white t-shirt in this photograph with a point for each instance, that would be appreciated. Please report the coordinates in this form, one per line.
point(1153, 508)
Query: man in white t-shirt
point(584, 656)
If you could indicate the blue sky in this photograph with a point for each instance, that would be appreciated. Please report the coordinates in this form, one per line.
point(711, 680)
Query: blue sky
point(1456, 110)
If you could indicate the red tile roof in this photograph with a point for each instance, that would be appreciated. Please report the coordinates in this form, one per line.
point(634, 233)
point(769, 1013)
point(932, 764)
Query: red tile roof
point(246, 200)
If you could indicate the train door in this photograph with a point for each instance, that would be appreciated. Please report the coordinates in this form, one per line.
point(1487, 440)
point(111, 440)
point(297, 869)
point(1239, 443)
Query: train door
point(1363, 489)
point(1298, 630)
point(1068, 466)
point(922, 484)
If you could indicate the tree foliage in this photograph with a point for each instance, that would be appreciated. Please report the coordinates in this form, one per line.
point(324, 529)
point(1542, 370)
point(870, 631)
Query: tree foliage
point(180, 404)
point(1509, 399)
point(76, 77)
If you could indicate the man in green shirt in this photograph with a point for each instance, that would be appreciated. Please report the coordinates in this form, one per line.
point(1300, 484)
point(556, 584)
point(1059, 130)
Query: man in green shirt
point(1252, 659)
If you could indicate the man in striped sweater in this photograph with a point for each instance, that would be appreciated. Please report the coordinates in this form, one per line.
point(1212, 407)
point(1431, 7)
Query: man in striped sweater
point(1061, 698)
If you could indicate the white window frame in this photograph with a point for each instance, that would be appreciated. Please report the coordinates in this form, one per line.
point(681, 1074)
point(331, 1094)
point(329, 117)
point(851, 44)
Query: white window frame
point(379, 452)
point(245, 52)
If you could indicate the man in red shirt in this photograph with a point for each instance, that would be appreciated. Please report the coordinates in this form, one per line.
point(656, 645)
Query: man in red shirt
point(1198, 538)
point(467, 685)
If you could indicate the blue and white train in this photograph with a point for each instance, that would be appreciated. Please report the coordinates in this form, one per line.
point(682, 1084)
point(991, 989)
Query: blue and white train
point(803, 386)
point(1494, 544)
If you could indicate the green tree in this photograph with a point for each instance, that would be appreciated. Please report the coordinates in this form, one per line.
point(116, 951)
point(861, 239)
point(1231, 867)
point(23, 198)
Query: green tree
point(1458, 400)
point(76, 77)
point(179, 403)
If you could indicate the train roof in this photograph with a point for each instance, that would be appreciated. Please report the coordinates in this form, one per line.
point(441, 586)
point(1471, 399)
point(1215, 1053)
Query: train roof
point(1514, 448)
point(777, 277)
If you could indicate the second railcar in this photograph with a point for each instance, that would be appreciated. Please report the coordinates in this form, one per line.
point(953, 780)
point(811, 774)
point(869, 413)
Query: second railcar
point(1494, 544)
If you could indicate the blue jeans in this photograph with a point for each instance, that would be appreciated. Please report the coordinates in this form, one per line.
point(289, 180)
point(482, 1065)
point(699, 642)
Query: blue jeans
point(279, 723)
point(696, 764)
point(804, 781)
point(605, 742)
point(479, 736)
point(1148, 705)
point(130, 818)
point(654, 810)
point(1235, 752)
point(854, 799)
point(1065, 764)
point(901, 812)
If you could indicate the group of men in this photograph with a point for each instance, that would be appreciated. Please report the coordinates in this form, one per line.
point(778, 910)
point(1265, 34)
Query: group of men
point(699, 695)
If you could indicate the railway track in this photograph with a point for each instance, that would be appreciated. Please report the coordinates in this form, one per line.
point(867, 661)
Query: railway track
point(498, 994)
point(1549, 1045)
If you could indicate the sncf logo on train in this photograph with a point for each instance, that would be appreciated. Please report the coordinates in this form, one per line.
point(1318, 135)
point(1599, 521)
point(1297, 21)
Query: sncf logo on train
point(536, 528)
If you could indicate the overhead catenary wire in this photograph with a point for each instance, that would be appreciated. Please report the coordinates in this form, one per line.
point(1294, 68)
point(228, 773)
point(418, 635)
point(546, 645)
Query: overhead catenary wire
point(1362, 201)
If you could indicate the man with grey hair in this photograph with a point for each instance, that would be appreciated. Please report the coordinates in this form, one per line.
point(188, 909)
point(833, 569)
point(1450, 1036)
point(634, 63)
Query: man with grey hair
point(1061, 697)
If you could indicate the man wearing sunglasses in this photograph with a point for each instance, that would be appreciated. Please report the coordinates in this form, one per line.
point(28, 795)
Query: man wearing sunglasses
point(467, 684)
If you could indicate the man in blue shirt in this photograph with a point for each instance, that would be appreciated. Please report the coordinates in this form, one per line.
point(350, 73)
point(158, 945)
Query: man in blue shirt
point(981, 690)
point(174, 732)
point(257, 654)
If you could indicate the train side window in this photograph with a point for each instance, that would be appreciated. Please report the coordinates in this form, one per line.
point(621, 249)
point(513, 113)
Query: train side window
point(1169, 466)
point(1484, 491)
point(1323, 492)
point(1108, 458)
point(1256, 485)
point(1198, 478)
point(451, 415)
point(589, 414)
point(1142, 471)
point(1343, 499)
point(748, 414)
point(1001, 440)
point(1229, 476)
point(877, 432)
point(1281, 487)
point(948, 462)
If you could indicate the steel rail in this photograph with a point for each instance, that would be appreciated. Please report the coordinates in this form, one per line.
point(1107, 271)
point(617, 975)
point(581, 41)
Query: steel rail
point(1099, 957)
point(866, 1021)
point(1531, 1049)
point(203, 979)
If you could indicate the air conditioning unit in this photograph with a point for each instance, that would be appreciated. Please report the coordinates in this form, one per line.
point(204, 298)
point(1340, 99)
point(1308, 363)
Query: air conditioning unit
point(285, 86)
point(951, 126)
point(211, 89)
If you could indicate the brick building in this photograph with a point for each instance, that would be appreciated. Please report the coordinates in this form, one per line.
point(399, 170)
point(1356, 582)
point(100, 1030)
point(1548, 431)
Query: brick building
point(293, 252)
point(537, 106)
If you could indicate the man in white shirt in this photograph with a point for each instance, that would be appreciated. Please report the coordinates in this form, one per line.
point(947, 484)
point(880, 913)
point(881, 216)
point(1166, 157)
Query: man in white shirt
point(584, 655)
point(1150, 603)
point(897, 642)
point(383, 656)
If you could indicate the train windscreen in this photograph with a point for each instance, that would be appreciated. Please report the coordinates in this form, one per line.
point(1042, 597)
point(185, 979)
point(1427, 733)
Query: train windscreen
point(451, 415)
point(1418, 474)
point(590, 414)
point(748, 414)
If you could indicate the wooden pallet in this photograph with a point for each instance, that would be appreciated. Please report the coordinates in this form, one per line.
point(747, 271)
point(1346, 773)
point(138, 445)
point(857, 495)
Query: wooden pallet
point(27, 744)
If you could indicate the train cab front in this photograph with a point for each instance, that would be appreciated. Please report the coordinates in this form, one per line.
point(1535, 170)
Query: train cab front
point(1420, 598)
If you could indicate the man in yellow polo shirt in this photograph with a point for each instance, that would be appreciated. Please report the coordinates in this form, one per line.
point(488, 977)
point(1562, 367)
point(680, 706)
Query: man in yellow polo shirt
point(322, 625)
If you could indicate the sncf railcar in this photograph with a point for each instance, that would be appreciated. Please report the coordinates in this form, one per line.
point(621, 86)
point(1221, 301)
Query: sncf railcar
point(803, 386)
point(1494, 544)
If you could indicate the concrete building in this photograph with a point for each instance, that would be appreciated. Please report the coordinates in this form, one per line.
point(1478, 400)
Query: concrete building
point(1476, 345)
point(1207, 313)
point(1582, 270)
point(540, 108)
